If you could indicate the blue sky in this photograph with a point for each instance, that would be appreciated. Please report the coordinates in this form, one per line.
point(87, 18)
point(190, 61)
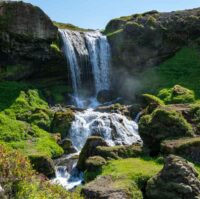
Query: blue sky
point(97, 13)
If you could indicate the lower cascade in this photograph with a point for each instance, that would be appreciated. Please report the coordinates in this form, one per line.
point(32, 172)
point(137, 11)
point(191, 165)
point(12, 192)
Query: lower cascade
point(89, 53)
point(116, 129)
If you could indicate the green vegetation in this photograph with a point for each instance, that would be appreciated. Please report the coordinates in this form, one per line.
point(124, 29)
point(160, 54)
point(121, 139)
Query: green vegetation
point(55, 47)
point(177, 95)
point(69, 26)
point(182, 69)
point(20, 181)
point(162, 124)
point(138, 170)
point(62, 122)
point(25, 118)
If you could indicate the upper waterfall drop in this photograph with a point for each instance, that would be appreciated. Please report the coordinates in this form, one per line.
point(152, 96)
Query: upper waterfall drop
point(87, 53)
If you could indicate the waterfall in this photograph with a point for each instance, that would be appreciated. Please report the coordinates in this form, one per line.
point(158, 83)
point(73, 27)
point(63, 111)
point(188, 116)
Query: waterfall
point(116, 129)
point(94, 48)
point(88, 54)
point(99, 54)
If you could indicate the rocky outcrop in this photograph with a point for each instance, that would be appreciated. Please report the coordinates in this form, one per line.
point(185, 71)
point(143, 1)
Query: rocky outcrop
point(105, 187)
point(163, 123)
point(178, 179)
point(141, 41)
point(185, 147)
point(27, 45)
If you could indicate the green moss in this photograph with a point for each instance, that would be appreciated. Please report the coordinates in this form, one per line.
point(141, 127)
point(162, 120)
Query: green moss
point(151, 102)
point(117, 152)
point(69, 26)
point(55, 47)
point(177, 95)
point(162, 124)
point(62, 122)
point(183, 69)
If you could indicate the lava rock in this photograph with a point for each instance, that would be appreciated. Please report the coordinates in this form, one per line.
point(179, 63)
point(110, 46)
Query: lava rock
point(89, 150)
point(178, 179)
point(43, 164)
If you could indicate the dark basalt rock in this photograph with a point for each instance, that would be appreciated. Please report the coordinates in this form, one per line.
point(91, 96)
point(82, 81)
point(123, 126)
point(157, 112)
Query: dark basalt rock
point(26, 35)
point(142, 41)
point(43, 164)
point(177, 180)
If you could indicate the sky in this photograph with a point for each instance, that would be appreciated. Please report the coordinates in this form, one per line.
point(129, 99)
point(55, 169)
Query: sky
point(95, 14)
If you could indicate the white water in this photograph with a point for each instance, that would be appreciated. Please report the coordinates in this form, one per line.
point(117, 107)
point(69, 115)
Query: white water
point(68, 178)
point(114, 128)
point(94, 47)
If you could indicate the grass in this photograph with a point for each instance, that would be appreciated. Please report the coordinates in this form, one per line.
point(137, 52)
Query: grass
point(138, 170)
point(69, 26)
point(183, 69)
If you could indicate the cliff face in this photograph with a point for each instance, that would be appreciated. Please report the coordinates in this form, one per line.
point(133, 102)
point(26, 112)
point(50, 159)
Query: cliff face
point(26, 38)
point(141, 41)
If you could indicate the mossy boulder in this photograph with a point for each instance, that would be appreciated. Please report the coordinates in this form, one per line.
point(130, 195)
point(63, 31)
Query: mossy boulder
point(107, 187)
point(67, 146)
point(117, 152)
point(178, 179)
point(177, 95)
point(162, 124)
point(151, 102)
point(94, 163)
point(62, 122)
point(89, 150)
point(186, 147)
point(43, 164)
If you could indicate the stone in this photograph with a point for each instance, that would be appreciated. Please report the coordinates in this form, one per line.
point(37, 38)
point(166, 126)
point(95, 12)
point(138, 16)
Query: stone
point(67, 146)
point(104, 188)
point(43, 164)
point(89, 150)
point(163, 123)
point(106, 96)
point(185, 147)
point(142, 41)
point(62, 122)
point(94, 163)
point(177, 180)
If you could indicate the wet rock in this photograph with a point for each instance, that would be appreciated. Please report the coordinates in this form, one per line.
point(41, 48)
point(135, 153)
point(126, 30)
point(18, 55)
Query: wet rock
point(178, 179)
point(67, 146)
point(43, 164)
point(89, 150)
point(106, 96)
